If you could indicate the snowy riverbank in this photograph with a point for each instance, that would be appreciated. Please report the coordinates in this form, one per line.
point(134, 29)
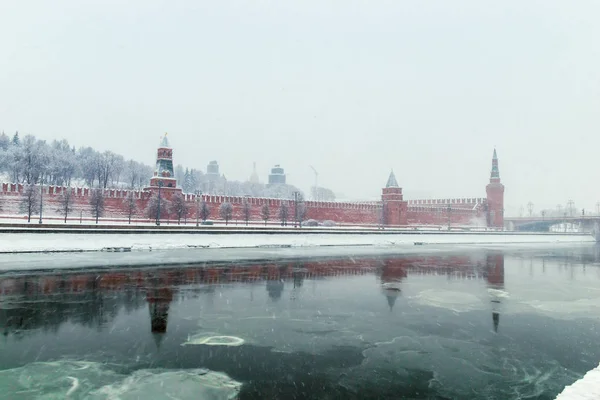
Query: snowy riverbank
point(586, 388)
point(133, 241)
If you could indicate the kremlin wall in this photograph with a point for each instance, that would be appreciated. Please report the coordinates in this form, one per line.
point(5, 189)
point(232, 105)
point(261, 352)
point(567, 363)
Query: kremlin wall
point(392, 211)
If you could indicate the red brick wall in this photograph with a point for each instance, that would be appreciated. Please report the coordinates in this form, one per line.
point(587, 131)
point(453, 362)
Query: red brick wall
point(114, 204)
point(440, 216)
point(462, 212)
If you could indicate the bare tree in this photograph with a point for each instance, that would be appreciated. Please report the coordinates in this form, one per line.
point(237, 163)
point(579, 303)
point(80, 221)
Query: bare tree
point(571, 207)
point(301, 213)
point(226, 211)
point(97, 203)
point(180, 207)
point(132, 173)
point(130, 204)
point(246, 210)
point(299, 209)
point(152, 207)
point(204, 210)
point(530, 208)
point(30, 202)
point(65, 202)
point(108, 163)
point(265, 212)
point(284, 213)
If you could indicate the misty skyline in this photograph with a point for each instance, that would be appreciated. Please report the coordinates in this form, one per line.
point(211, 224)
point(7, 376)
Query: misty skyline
point(352, 88)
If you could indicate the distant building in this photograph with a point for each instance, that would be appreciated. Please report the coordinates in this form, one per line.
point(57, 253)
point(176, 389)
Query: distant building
point(212, 170)
point(277, 176)
point(254, 176)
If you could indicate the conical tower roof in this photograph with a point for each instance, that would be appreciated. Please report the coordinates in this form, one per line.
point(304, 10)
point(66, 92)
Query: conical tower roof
point(164, 142)
point(495, 174)
point(392, 182)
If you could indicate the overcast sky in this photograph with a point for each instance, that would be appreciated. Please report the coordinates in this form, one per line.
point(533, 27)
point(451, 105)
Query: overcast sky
point(353, 88)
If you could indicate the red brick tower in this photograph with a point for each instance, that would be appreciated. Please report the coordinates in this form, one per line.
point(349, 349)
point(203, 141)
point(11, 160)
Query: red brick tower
point(163, 184)
point(394, 206)
point(164, 166)
point(495, 197)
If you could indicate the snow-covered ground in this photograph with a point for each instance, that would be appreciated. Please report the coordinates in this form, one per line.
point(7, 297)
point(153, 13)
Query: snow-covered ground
point(20, 262)
point(586, 388)
point(114, 241)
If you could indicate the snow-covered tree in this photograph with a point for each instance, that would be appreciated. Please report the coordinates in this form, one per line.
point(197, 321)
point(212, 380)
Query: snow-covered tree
point(88, 160)
point(180, 207)
point(196, 180)
point(131, 173)
point(4, 141)
point(97, 203)
point(284, 213)
point(152, 208)
point(179, 174)
point(322, 194)
point(62, 164)
point(301, 212)
point(226, 211)
point(130, 204)
point(187, 182)
point(145, 174)
point(34, 159)
point(117, 170)
point(246, 210)
point(204, 210)
point(265, 212)
point(30, 201)
point(65, 202)
point(109, 167)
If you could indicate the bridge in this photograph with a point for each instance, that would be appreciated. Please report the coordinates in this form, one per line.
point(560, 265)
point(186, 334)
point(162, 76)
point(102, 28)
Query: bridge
point(584, 223)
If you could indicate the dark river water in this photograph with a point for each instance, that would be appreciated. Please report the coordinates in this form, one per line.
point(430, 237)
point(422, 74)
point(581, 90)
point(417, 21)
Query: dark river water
point(470, 324)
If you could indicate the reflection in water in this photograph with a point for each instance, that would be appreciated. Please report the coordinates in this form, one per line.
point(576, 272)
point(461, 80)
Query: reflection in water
point(407, 324)
point(159, 301)
point(91, 299)
point(495, 279)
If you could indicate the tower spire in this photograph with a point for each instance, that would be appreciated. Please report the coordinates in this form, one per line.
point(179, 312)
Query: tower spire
point(164, 174)
point(495, 174)
point(164, 142)
point(392, 182)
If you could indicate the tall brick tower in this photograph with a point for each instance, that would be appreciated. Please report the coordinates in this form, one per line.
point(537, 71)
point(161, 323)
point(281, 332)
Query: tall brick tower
point(394, 206)
point(164, 166)
point(163, 183)
point(495, 196)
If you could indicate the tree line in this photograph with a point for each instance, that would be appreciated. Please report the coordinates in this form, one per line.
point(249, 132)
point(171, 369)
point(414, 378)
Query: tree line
point(28, 160)
point(157, 208)
point(34, 162)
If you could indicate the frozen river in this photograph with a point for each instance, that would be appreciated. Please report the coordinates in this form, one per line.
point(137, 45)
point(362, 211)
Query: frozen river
point(356, 323)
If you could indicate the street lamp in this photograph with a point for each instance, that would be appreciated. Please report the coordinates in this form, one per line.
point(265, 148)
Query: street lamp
point(160, 185)
point(198, 194)
point(295, 209)
point(41, 197)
